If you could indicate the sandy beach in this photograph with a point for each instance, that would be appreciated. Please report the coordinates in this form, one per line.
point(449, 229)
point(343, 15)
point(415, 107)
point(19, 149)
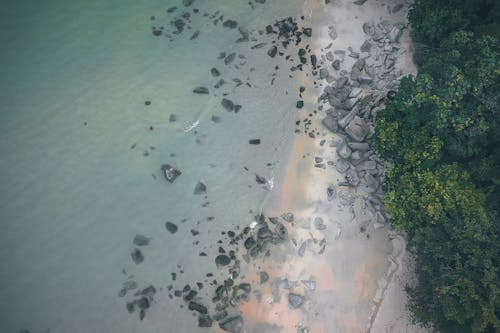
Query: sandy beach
point(359, 276)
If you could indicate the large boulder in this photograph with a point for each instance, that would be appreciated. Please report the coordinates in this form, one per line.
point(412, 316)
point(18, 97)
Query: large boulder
point(330, 123)
point(357, 129)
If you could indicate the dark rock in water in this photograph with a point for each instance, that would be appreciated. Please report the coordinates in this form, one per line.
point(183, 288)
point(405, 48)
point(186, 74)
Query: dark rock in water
point(187, 3)
point(222, 260)
point(190, 295)
point(245, 287)
point(215, 119)
point(260, 1)
point(269, 29)
point(200, 90)
point(307, 32)
point(141, 240)
point(249, 243)
point(220, 315)
point(260, 179)
point(323, 73)
point(143, 303)
point(137, 256)
point(264, 233)
point(272, 51)
point(336, 64)
point(314, 60)
point(295, 301)
point(258, 46)
point(205, 321)
point(331, 193)
point(130, 307)
point(172, 228)
point(231, 24)
point(263, 277)
point(302, 52)
point(233, 324)
point(215, 72)
point(157, 32)
point(170, 173)
point(299, 104)
point(172, 118)
point(227, 104)
point(254, 141)
point(302, 89)
point(281, 231)
point(195, 35)
point(288, 217)
point(200, 188)
point(193, 306)
point(219, 83)
point(171, 9)
point(148, 291)
point(179, 25)
point(229, 58)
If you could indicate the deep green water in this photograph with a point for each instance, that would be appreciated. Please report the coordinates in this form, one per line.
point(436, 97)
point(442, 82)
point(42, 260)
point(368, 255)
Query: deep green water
point(74, 78)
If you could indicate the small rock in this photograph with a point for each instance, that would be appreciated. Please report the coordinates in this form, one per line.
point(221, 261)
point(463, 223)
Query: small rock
point(272, 51)
point(204, 321)
point(299, 104)
point(295, 301)
point(229, 58)
point(227, 104)
point(171, 227)
point(137, 256)
point(331, 193)
point(141, 240)
point(193, 306)
point(222, 260)
point(264, 277)
point(288, 217)
point(233, 324)
point(318, 223)
point(170, 173)
point(260, 179)
point(231, 24)
point(254, 141)
point(215, 72)
point(200, 188)
point(200, 90)
point(307, 31)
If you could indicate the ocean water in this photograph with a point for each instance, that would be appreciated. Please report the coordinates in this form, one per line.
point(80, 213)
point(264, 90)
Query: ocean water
point(81, 153)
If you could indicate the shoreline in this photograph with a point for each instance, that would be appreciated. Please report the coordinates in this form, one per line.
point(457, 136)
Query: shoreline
point(360, 277)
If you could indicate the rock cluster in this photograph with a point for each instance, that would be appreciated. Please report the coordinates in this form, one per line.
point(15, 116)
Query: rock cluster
point(353, 99)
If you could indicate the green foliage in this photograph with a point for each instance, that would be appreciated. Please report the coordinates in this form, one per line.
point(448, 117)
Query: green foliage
point(442, 135)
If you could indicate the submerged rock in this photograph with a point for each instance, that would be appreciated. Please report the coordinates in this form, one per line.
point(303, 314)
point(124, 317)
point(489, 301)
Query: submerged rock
point(200, 188)
point(171, 227)
point(200, 90)
point(222, 260)
point(170, 173)
point(137, 256)
point(141, 240)
point(231, 24)
point(233, 324)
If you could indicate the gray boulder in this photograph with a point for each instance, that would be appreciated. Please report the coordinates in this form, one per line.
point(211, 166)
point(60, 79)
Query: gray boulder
point(330, 123)
point(357, 129)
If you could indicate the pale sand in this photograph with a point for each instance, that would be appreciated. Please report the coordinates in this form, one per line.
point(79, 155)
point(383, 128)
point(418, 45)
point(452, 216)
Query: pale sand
point(360, 278)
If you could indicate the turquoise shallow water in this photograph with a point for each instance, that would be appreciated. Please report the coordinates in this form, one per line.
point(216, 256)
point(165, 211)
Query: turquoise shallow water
point(74, 78)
